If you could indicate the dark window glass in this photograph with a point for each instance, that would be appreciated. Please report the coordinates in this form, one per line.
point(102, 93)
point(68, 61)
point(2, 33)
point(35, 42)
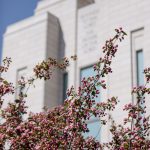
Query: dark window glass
point(65, 85)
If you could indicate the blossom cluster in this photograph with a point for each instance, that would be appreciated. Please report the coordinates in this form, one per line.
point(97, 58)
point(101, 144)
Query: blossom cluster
point(134, 134)
point(63, 127)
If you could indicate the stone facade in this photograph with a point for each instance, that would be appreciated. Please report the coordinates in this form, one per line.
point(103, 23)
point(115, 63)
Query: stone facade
point(66, 27)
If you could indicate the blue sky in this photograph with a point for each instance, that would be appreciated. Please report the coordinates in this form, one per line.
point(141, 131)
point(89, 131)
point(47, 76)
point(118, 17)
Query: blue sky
point(12, 11)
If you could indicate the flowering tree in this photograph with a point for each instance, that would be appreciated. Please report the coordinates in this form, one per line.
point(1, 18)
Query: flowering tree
point(63, 127)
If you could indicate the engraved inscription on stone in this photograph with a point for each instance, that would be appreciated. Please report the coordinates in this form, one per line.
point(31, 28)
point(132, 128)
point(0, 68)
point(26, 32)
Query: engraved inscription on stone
point(87, 35)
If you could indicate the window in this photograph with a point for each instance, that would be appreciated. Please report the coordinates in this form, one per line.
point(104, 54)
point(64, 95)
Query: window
point(137, 57)
point(140, 74)
point(20, 73)
point(93, 124)
point(140, 67)
point(65, 85)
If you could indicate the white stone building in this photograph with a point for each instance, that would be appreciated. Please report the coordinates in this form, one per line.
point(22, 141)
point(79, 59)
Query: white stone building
point(66, 27)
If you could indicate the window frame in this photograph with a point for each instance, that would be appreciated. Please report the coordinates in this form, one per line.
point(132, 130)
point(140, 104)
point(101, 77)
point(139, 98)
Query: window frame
point(136, 44)
point(137, 40)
